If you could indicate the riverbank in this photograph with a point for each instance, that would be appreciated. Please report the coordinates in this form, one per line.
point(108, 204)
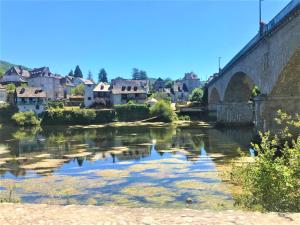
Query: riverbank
point(79, 214)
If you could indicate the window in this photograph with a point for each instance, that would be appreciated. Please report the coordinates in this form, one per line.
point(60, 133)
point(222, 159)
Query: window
point(129, 88)
point(135, 88)
point(37, 107)
point(123, 88)
point(89, 98)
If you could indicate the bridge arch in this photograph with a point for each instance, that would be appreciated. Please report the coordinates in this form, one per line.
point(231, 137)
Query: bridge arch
point(214, 97)
point(239, 88)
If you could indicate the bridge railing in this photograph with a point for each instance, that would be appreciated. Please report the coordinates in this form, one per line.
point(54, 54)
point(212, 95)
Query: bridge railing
point(268, 27)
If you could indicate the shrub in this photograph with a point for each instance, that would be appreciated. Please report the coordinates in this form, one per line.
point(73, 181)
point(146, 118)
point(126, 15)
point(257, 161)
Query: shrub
point(184, 118)
point(10, 88)
point(54, 104)
point(196, 95)
point(132, 112)
point(26, 119)
point(164, 111)
point(272, 181)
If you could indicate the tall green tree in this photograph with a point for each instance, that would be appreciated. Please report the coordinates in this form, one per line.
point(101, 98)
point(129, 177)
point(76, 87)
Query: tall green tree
point(139, 74)
point(102, 76)
point(71, 73)
point(77, 72)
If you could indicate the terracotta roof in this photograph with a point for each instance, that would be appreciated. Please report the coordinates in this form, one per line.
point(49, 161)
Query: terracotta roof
point(30, 92)
point(102, 87)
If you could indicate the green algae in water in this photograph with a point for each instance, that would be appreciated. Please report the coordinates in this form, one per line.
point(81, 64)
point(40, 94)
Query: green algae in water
point(150, 169)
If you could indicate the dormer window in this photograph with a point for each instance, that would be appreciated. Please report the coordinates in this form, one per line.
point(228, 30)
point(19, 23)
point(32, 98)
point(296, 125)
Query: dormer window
point(123, 88)
point(135, 88)
point(129, 88)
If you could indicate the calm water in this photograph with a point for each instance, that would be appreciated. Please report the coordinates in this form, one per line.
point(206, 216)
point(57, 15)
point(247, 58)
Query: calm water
point(149, 166)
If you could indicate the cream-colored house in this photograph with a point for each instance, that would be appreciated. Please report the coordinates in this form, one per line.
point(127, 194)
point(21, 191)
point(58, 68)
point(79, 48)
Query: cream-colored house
point(30, 99)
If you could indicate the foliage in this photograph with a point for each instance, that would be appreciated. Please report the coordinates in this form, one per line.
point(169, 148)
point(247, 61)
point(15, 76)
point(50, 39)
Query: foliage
point(255, 91)
point(272, 181)
point(161, 96)
point(6, 112)
point(76, 116)
point(10, 88)
point(54, 104)
point(26, 119)
point(71, 73)
point(163, 110)
point(168, 83)
point(77, 72)
point(78, 90)
point(102, 76)
point(139, 74)
point(205, 96)
point(196, 95)
point(132, 112)
point(184, 118)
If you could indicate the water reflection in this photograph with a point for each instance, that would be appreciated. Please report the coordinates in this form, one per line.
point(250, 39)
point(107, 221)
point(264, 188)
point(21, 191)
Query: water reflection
point(169, 163)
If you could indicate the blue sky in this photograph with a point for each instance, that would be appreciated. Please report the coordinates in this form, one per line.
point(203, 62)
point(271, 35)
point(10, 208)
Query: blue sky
point(165, 38)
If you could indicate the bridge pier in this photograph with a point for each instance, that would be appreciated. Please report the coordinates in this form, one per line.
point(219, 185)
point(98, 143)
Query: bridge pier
point(235, 113)
point(266, 107)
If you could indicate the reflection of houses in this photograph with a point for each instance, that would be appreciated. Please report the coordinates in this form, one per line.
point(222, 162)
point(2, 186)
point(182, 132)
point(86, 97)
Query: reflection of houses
point(133, 154)
point(123, 91)
point(30, 99)
point(16, 75)
point(3, 94)
point(50, 83)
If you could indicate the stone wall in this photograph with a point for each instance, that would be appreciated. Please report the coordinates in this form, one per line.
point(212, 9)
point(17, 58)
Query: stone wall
point(235, 113)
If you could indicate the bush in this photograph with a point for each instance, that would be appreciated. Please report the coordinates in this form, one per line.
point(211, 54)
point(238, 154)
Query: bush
point(132, 112)
point(60, 116)
point(184, 118)
point(55, 104)
point(164, 111)
point(196, 95)
point(272, 181)
point(26, 119)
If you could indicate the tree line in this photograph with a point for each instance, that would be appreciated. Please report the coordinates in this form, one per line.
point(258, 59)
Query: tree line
point(103, 76)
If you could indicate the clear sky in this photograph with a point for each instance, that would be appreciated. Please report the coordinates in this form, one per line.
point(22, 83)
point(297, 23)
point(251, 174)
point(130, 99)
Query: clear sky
point(165, 38)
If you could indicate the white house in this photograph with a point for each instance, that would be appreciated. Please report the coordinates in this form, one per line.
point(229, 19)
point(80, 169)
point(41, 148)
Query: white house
point(123, 91)
point(88, 93)
point(50, 83)
point(30, 99)
point(102, 94)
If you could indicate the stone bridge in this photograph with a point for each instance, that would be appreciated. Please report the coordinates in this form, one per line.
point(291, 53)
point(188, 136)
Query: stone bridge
point(271, 62)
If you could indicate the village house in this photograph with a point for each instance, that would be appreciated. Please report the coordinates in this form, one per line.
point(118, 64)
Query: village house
point(50, 83)
point(102, 94)
point(68, 85)
point(191, 81)
point(30, 99)
point(123, 91)
point(88, 93)
point(78, 80)
point(3, 94)
point(179, 92)
point(15, 75)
